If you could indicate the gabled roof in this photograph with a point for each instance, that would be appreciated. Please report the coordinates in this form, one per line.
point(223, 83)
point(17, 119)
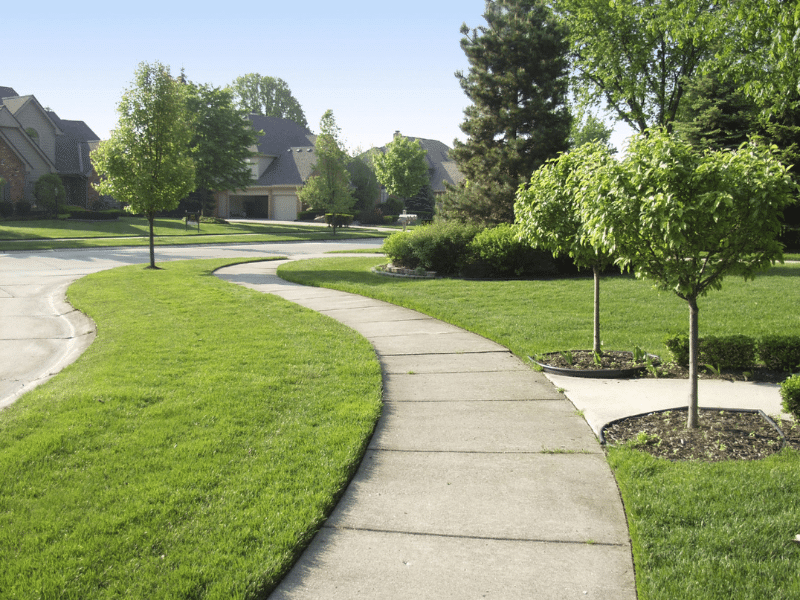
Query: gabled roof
point(16, 103)
point(293, 167)
point(73, 148)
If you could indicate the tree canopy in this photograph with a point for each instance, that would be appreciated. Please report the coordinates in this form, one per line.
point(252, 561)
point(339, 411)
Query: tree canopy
point(268, 96)
point(329, 187)
point(220, 142)
point(686, 218)
point(146, 163)
point(48, 189)
point(402, 170)
point(517, 84)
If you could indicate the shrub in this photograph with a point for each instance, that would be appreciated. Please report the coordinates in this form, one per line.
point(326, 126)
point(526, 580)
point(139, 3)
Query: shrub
point(780, 352)
point(309, 215)
point(678, 346)
point(728, 352)
point(371, 216)
point(6, 209)
point(49, 191)
point(400, 249)
point(341, 220)
point(23, 208)
point(497, 252)
point(790, 393)
point(392, 206)
point(442, 246)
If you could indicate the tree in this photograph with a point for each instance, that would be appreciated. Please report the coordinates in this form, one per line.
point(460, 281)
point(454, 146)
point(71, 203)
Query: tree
point(329, 186)
point(49, 189)
point(146, 163)
point(366, 189)
point(403, 169)
point(687, 219)
point(517, 83)
point(548, 212)
point(590, 129)
point(637, 56)
point(268, 96)
point(220, 143)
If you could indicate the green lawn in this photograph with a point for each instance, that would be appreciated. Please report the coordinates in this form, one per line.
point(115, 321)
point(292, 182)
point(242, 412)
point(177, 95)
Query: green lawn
point(702, 531)
point(134, 231)
point(191, 452)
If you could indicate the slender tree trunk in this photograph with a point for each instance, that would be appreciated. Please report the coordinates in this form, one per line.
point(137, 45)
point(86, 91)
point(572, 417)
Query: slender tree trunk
point(596, 341)
point(693, 420)
point(150, 218)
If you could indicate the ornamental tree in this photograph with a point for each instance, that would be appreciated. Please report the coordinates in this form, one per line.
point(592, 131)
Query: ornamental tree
point(329, 187)
point(403, 169)
point(548, 211)
point(688, 219)
point(147, 163)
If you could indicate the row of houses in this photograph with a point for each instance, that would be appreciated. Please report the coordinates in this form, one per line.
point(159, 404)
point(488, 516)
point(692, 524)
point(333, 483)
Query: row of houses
point(35, 141)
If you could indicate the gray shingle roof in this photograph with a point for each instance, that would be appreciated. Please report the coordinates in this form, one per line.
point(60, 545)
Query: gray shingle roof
point(293, 167)
point(7, 92)
point(280, 134)
point(73, 148)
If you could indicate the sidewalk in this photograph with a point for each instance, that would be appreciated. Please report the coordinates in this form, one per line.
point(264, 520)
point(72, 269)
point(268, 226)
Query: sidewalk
point(480, 481)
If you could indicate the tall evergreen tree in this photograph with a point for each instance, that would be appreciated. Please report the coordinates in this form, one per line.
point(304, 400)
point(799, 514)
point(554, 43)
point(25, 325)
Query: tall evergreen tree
point(519, 118)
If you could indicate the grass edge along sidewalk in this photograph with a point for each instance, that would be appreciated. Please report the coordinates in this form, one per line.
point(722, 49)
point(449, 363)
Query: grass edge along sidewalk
point(698, 530)
point(192, 451)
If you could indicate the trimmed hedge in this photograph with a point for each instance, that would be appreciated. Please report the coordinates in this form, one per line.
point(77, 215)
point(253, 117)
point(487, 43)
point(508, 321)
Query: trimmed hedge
point(777, 352)
point(341, 220)
point(498, 252)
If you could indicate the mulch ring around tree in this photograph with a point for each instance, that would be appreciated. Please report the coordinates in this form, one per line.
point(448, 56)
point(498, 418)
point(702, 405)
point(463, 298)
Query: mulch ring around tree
point(721, 435)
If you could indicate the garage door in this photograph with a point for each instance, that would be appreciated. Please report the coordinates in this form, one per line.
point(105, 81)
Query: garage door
point(284, 208)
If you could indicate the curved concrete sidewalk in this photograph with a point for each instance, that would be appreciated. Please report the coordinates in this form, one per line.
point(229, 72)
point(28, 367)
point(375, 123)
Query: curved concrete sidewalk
point(480, 480)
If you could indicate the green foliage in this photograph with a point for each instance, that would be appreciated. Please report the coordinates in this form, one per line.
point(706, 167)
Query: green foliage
point(790, 393)
point(221, 141)
point(366, 189)
point(338, 220)
point(268, 96)
point(728, 352)
point(49, 191)
point(780, 352)
point(22, 208)
point(146, 163)
point(637, 56)
point(393, 206)
point(517, 84)
point(329, 187)
point(678, 346)
point(309, 215)
point(402, 170)
point(6, 209)
point(441, 247)
point(502, 254)
point(589, 130)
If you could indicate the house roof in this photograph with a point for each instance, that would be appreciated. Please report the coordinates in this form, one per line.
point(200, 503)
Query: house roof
point(441, 167)
point(73, 148)
point(293, 167)
point(279, 134)
point(16, 103)
point(6, 92)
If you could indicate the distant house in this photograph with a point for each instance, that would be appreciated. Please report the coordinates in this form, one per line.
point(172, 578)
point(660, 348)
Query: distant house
point(284, 160)
point(441, 168)
point(34, 142)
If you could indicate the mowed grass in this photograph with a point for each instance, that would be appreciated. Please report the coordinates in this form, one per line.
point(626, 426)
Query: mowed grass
point(701, 531)
point(134, 231)
point(191, 452)
point(536, 316)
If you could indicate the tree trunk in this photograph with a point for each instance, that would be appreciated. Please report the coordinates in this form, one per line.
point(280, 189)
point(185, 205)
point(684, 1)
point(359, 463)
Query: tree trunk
point(596, 341)
point(693, 419)
point(150, 218)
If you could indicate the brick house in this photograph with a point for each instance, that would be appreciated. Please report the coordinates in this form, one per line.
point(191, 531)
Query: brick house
point(34, 142)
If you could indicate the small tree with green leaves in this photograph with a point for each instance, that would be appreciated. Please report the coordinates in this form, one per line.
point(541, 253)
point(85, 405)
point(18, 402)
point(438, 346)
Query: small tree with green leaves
point(49, 189)
point(329, 187)
point(403, 169)
point(147, 163)
point(687, 219)
point(548, 212)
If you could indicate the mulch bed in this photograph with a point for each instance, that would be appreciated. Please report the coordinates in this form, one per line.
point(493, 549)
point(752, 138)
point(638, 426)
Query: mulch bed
point(721, 435)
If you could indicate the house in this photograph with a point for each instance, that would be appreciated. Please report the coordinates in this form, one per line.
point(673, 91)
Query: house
point(34, 142)
point(441, 168)
point(283, 160)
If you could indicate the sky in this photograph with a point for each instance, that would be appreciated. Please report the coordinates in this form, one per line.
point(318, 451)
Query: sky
point(380, 66)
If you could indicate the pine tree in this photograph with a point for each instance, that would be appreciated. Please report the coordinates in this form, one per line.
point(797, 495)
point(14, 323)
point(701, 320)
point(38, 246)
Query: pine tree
point(519, 118)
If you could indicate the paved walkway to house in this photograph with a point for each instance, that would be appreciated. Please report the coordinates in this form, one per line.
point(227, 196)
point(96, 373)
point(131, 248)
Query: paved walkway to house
point(480, 481)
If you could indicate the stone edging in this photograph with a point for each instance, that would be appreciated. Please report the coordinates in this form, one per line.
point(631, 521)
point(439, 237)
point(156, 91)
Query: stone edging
point(392, 271)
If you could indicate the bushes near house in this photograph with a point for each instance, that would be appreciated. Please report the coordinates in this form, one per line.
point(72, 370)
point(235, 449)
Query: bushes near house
point(498, 252)
point(777, 353)
point(310, 215)
point(6, 209)
point(340, 220)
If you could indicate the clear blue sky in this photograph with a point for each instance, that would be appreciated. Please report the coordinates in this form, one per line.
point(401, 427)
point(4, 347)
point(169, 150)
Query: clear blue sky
point(381, 66)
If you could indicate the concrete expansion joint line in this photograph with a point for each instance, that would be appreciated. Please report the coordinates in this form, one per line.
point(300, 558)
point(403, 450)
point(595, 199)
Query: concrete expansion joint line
point(477, 537)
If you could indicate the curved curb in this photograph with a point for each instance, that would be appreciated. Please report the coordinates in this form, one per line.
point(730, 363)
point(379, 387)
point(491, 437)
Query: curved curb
point(594, 373)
